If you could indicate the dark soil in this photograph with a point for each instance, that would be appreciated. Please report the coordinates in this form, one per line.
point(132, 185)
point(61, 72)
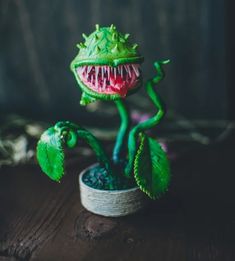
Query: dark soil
point(98, 178)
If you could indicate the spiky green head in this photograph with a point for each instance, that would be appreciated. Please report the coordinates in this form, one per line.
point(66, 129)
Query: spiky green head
point(107, 66)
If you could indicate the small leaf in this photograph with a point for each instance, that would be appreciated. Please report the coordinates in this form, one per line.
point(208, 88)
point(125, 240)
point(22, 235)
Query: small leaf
point(86, 99)
point(151, 167)
point(50, 154)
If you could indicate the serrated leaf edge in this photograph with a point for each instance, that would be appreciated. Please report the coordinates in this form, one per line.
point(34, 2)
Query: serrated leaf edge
point(136, 169)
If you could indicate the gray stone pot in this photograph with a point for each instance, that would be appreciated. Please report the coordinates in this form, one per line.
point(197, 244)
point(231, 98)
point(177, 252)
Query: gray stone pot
point(111, 203)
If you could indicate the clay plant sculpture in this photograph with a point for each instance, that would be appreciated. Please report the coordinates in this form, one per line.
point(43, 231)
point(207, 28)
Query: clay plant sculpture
point(108, 67)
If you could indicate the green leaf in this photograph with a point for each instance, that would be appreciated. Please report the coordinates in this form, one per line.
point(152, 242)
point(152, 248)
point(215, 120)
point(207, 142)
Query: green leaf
point(50, 154)
point(86, 99)
point(151, 167)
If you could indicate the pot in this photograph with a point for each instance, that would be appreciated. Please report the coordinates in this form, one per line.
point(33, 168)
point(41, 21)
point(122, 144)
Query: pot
point(110, 203)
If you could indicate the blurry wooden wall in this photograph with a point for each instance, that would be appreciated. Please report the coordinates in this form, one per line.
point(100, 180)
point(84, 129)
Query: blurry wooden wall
point(38, 41)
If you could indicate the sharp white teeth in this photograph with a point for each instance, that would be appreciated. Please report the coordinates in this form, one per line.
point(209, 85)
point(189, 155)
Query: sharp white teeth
point(89, 69)
point(99, 79)
point(135, 68)
point(121, 69)
point(108, 72)
point(96, 76)
point(102, 72)
point(97, 70)
point(79, 70)
point(105, 70)
point(96, 84)
point(83, 69)
point(104, 84)
point(125, 66)
point(128, 69)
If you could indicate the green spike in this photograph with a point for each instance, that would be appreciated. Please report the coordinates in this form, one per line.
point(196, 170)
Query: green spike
point(112, 28)
point(114, 36)
point(126, 36)
point(122, 40)
point(115, 48)
point(134, 46)
point(97, 26)
point(80, 45)
point(84, 36)
point(97, 48)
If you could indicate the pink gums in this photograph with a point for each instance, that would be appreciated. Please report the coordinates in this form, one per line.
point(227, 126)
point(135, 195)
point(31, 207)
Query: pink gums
point(110, 80)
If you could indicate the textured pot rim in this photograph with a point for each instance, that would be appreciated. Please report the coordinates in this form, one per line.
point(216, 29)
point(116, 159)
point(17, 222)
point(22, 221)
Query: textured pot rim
point(119, 191)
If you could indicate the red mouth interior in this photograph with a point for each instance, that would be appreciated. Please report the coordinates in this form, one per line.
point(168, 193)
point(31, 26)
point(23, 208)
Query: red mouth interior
point(110, 80)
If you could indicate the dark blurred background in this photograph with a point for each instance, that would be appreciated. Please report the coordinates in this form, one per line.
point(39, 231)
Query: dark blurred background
point(38, 41)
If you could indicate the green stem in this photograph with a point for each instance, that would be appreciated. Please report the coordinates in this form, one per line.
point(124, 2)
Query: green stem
point(132, 139)
point(97, 148)
point(72, 132)
point(122, 133)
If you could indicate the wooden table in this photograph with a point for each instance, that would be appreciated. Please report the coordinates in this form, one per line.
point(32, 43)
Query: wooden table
point(43, 220)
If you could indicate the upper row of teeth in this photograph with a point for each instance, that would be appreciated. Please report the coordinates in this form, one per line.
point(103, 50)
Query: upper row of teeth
point(108, 69)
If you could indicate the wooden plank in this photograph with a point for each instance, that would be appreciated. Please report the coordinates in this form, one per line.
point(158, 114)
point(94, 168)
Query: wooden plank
point(32, 209)
point(42, 220)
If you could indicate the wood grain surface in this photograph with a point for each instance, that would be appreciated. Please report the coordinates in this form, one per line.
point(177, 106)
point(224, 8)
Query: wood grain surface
point(42, 220)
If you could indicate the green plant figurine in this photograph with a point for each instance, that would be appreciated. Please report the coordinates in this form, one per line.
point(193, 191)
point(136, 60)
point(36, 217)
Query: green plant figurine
point(108, 67)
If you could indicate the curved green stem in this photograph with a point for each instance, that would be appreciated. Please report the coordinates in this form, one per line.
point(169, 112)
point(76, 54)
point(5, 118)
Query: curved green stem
point(122, 133)
point(132, 139)
point(97, 148)
point(71, 132)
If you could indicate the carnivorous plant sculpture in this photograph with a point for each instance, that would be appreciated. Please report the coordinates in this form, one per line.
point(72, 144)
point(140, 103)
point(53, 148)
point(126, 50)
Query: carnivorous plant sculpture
point(108, 67)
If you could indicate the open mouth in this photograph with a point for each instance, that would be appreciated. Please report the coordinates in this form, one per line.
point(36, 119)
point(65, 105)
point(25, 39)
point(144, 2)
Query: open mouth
point(110, 80)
